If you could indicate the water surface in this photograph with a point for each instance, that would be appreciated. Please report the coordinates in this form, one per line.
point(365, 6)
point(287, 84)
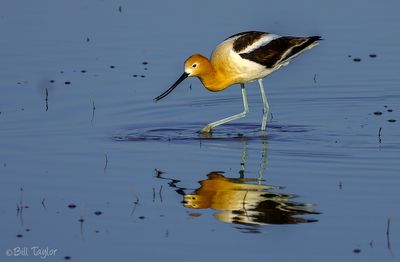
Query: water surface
point(90, 166)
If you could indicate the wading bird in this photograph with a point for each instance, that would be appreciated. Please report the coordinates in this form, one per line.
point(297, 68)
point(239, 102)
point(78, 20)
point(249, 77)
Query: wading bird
point(242, 58)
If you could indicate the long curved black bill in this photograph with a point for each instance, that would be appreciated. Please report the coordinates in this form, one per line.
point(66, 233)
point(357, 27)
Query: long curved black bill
point(183, 77)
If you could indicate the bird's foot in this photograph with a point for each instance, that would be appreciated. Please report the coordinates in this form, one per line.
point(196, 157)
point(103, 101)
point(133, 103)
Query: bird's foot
point(206, 130)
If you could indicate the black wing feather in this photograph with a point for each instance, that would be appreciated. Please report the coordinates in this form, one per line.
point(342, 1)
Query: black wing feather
point(279, 50)
point(246, 39)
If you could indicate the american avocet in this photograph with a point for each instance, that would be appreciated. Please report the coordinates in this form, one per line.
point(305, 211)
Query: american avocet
point(240, 59)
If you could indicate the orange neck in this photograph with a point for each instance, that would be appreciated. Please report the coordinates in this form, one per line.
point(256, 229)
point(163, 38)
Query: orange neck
point(213, 79)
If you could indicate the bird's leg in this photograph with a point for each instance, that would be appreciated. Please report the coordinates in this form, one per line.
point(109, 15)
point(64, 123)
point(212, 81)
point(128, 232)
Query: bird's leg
point(265, 105)
point(207, 128)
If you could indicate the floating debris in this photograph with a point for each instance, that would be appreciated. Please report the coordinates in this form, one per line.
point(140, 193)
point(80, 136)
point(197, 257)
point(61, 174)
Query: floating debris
point(145, 63)
point(136, 203)
point(357, 250)
point(106, 158)
point(52, 81)
point(379, 135)
point(67, 82)
point(67, 257)
point(372, 55)
point(357, 59)
point(392, 120)
point(83, 71)
point(111, 66)
point(98, 213)
point(46, 99)
point(378, 113)
point(71, 206)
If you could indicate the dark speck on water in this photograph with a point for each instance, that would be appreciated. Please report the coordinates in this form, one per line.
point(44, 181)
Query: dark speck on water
point(83, 71)
point(111, 66)
point(142, 76)
point(145, 63)
point(20, 235)
point(378, 113)
point(357, 250)
point(357, 59)
point(98, 213)
point(67, 257)
point(52, 81)
point(135, 75)
point(390, 110)
point(392, 120)
point(72, 206)
point(372, 55)
point(142, 217)
point(67, 82)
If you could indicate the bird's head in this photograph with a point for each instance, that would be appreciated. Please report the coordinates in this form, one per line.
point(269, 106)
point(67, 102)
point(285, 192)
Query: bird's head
point(195, 65)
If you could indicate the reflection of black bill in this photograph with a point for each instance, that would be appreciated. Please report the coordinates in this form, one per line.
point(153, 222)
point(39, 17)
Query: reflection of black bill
point(183, 77)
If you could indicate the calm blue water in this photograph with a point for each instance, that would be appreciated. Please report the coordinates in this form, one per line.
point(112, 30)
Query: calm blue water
point(92, 168)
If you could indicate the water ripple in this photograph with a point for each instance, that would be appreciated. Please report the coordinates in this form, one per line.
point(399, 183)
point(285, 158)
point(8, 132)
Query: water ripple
point(190, 132)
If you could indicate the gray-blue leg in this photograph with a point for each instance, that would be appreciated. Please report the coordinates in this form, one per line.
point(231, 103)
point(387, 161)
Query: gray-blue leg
point(209, 127)
point(265, 105)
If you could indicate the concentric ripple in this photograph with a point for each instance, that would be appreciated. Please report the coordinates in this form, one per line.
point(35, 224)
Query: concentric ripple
point(190, 132)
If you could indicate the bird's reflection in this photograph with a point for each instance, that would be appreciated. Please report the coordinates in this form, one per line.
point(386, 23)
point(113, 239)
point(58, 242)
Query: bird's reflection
point(240, 201)
point(245, 201)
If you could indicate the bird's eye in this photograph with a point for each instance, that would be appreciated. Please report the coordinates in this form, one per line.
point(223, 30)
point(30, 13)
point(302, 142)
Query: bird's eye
point(194, 65)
